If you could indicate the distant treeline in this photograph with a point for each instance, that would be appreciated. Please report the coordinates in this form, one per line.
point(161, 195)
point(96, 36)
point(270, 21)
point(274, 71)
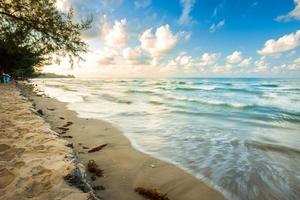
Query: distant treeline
point(32, 31)
point(50, 75)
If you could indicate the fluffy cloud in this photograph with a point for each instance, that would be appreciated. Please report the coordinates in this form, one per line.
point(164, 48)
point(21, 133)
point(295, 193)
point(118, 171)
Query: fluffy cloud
point(181, 64)
point(159, 43)
point(284, 43)
point(246, 62)
point(105, 56)
point(294, 14)
point(234, 58)
point(117, 36)
point(207, 59)
point(217, 26)
point(295, 65)
point(261, 65)
point(142, 3)
point(134, 56)
point(187, 6)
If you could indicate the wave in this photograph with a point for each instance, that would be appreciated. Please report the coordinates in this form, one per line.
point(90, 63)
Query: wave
point(269, 85)
point(141, 113)
point(196, 88)
point(131, 91)
point(214, 103)
point(270, 146)
point(246, 91)
point(115, 99)
point(155, 102)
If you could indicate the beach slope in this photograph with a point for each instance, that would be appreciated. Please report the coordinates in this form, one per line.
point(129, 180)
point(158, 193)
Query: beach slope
point(34, 161)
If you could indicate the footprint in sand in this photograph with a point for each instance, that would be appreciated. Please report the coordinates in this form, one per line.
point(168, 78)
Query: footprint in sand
point(4, 147)
point(7, 178)
point(10, 153)
point(41, 181)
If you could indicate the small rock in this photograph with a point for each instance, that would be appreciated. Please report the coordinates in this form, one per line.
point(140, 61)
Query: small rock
point(40, 112)
point(70, 144)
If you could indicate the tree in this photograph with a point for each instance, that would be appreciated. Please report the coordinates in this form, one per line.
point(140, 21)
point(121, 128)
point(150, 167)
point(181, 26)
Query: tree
point(36, 29)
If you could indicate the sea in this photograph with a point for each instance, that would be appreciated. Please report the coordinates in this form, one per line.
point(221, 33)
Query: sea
point(239, 135)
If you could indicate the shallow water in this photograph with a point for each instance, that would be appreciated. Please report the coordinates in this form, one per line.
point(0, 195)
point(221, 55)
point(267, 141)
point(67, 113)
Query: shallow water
point(241, 136)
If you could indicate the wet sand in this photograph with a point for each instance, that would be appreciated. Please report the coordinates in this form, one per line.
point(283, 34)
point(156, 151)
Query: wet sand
point(124, 167)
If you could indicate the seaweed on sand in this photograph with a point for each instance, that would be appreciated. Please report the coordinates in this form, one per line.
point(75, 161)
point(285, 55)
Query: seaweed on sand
point(151, 193)
point(68, 124)
point(94, 169)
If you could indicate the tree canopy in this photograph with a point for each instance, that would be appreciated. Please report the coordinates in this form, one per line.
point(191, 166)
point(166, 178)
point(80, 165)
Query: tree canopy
point(32, 30)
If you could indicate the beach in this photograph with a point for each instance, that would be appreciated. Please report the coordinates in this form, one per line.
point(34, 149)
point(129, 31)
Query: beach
point(124, 168)
point(35, 163)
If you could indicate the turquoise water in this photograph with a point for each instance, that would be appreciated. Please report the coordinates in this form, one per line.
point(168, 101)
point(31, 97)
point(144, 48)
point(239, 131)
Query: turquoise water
point(241, 136)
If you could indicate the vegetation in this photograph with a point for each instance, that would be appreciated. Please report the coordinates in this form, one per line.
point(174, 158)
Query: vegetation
point(49, 75)
point(31, 31)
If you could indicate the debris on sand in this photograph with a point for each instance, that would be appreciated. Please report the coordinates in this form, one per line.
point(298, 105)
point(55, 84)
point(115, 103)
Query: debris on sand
point(63, 128)
point(98, 187)
point(152, 193)
point(93, 168)
point(68, 124)
point(98, 148)
point(93, 178)
point(85, 147)
point(40, 112)
point(67, 136)
point(61, 118)
point(51, 109)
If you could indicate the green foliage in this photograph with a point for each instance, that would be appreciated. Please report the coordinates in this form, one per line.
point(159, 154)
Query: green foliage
point(32, 30)
point(50, 75)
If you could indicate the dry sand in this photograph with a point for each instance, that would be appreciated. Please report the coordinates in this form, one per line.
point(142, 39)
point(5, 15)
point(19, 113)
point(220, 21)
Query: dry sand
point(124, 167)
point(33, 159)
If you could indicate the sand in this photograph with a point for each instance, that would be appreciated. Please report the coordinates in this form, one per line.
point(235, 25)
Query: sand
point(33, 159)
point(124, 168)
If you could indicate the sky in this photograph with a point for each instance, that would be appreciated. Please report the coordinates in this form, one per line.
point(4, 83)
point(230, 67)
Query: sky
point(187, 38)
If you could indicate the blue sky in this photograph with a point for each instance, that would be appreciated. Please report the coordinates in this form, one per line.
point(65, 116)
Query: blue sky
point(189, 37)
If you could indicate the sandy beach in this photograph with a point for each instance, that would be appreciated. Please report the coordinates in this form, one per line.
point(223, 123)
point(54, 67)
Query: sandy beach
point(124, 168)
point(34, 160)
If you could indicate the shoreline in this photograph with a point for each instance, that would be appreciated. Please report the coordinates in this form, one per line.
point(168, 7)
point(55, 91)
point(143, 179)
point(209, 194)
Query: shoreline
point(125, 168)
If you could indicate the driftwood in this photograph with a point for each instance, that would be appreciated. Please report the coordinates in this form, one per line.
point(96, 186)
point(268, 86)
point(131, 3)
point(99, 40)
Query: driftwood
point(152, 193)
point(98, 148)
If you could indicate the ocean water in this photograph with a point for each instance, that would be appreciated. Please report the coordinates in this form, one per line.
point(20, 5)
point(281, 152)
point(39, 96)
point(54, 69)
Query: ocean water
point(241, 136)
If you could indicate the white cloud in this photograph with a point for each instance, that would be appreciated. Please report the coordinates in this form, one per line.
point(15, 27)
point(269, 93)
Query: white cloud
point(261, 65)
point(159, 43)
point(105, 56)
point(234, 58)
point(185, 17)
point(246, 62)
point(295, 65)
point(117, 36)
point(183, 63)
point(142, 3)
point(134, 56)
point(284, 43)
point(207, 59)
point(294, 14)
point(63, 5)
point(217, 26)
